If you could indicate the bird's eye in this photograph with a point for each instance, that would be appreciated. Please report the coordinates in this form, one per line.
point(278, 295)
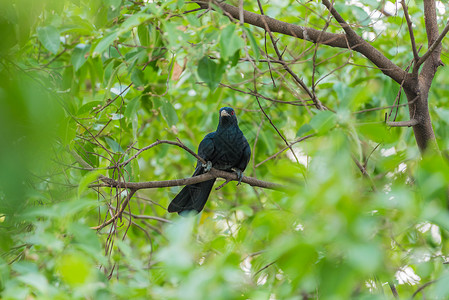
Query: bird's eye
point(232, 112)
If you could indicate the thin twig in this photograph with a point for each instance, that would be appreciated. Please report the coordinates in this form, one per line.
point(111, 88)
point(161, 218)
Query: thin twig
point(410, 30)
point(423, 287)
point(394, 291)
point(362, 169)
point(298, 80)
point(285, 148)
point(119, 213)
point(263, 268)
point(144, 217)
point(158, 142)
point(274, 126)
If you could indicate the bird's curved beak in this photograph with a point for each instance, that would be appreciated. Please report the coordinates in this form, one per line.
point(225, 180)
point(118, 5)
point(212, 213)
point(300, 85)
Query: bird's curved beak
point(224, 113)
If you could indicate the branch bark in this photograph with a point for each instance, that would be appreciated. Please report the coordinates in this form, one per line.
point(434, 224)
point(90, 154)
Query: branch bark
point(420, 84)
point(408, 123)
point(213, 173)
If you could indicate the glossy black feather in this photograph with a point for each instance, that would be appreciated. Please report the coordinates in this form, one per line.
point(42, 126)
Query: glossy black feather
point(226, 148)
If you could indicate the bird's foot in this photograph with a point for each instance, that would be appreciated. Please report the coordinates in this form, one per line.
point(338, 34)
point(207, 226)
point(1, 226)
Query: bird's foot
point(207, 166)
point(239, 175)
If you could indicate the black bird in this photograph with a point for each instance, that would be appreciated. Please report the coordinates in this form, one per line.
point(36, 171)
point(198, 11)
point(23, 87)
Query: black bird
point(225, 149)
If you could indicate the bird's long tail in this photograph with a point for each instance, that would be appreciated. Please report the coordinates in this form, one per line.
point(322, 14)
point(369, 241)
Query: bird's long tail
point(192, 197)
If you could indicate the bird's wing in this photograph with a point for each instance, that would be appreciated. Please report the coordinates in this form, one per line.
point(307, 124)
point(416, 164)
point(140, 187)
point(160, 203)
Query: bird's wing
point(246, 155)
point(206, 150)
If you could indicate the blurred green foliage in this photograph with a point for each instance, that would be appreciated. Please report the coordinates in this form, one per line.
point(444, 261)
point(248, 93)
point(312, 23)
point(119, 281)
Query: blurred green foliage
point(95, 80)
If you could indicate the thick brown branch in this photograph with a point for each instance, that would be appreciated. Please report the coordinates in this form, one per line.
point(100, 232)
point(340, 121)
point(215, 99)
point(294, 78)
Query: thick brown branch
point(305, 33)
point(213, 173)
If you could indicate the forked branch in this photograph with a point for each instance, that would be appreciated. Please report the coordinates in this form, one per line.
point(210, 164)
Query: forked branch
point(434, 45)
point(349, 40)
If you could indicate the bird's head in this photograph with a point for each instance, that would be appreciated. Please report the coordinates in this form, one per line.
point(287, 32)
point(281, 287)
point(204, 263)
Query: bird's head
point(227, 116)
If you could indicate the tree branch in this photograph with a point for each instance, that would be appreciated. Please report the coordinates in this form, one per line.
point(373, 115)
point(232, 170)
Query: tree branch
point(356, 42)
point(423, 287)
point(409, 123)
point(433, 46)
point(410, 30)
point(316, 101)
point(119, 213)
point(158, 142)
point(213, 173)
point(393, 289)
point(305, 33)
point(349, 32)
point(285, 148)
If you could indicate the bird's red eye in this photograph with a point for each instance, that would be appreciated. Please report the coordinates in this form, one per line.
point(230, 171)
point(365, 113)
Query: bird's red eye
point(232, 112)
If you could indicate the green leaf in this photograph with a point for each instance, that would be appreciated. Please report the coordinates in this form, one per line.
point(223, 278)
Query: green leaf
point(304, 129)
point(36, 280)
point(132, 107)
point(78, 25)
point(362, 17)
point(67, 131)
point(86, 180)
point(235, 58)
point(133, 21)
point(376, 132)
point(49, 37)
point(253, 42)
point(115, 147)
point(366, 257)
point(74, 268)
point(120, 90)
point(88, 107)
point(79, 55)
point(169, 113)
point(210, 72)
point(113, 3)
point(144, 34)
point(105, 42)
point(138, 77)
point(323, 121)
point(229, 42)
